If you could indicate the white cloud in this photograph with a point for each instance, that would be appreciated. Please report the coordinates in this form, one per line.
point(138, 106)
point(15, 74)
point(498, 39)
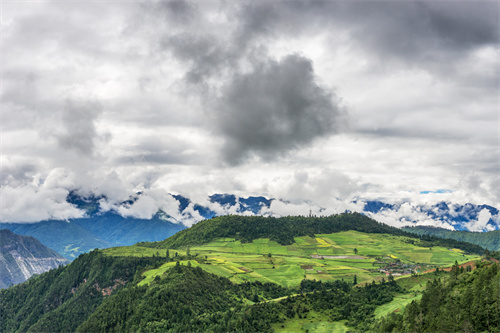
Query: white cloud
point(109, 98)
point(41, 200)
point(481, 223)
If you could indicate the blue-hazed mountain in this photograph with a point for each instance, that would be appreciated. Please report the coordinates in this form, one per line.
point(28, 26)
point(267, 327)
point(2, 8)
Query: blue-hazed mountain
point(97, 229)
point(106, 229)
point(23, 256)
point(250, 204)
point(76, 236)
point(468, 217)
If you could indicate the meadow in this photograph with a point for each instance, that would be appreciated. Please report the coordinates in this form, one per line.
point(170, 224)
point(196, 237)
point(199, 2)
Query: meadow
point(341, 255)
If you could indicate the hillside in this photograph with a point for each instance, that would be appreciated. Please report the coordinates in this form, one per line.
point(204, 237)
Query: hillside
point(325, 257)
point(23, 256)
point(336, 280)
point(283, 230)
point(489, 240)
point(460, 302)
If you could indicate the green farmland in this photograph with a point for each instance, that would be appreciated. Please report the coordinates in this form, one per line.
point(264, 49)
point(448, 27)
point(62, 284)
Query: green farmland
point(325, 257)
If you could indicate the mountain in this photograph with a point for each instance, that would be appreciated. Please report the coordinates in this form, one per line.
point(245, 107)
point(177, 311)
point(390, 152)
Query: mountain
point(254, 205)
point(107, 224)
point(489, 240)
point(23, 256)
point(76, 236)
point(139, 288)
point(67, 238)
point(463, 302)
point(99, 229)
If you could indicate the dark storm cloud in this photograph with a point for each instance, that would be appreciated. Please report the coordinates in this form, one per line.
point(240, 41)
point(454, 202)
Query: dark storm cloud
point(266, 107)
point(257, 20)
point(417, 33)
point(421, 32)
point(180, 12)
point(79, 126)
point(205, 55)
point(274, 109)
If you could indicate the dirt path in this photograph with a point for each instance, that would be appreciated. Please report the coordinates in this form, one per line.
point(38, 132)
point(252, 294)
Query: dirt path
point(315, 256)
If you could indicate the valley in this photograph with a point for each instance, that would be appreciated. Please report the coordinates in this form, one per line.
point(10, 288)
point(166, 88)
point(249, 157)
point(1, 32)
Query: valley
point(251, 274)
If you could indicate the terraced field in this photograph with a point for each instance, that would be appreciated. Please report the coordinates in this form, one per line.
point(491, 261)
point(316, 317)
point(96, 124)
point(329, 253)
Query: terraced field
point(325, 257)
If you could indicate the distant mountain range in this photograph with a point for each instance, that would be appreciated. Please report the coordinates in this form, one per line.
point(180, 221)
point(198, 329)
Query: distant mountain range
point(23, 256)
point(101, 228)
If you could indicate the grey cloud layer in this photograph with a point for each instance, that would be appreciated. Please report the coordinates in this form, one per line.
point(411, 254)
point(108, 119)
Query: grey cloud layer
point(155, 94)
point(265, 108)
point(275, 108)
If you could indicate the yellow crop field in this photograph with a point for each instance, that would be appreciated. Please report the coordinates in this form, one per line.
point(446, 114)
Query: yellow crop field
point(322, 242)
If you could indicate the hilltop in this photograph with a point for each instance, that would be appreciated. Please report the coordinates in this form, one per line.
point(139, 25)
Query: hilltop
point(283, 230)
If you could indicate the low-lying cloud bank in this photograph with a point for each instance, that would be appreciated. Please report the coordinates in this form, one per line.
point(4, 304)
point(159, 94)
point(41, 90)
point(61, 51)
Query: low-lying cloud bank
point(48, 201)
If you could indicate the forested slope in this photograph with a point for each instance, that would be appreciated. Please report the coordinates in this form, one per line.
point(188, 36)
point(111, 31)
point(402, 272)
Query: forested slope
point(489, 240)
point(462, 302)
point(60, 299)
point(190, 300)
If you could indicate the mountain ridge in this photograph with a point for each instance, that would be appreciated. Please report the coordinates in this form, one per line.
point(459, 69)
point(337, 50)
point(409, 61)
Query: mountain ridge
point(489, 240)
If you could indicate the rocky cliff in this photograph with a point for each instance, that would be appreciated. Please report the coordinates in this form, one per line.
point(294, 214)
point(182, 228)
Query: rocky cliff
point(23, 256)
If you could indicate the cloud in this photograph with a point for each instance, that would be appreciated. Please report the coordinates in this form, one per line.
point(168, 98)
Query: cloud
point(155, 95)
point(481, 224)
point(44, 199)
point(149, 203)
point(79, 126)
point(276, 108)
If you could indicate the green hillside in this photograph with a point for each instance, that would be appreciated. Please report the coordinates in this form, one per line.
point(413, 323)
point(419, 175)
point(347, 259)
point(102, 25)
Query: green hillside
point(325, 257)
point(319, 282)
point(283, 230)
point(489, 240)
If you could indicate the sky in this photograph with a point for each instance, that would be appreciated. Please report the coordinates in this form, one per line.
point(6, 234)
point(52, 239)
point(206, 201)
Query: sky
point(324, 102)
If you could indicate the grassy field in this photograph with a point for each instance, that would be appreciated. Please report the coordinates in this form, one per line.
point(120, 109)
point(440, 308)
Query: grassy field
point(324, 257)
point(152, 273)
point(396, 305)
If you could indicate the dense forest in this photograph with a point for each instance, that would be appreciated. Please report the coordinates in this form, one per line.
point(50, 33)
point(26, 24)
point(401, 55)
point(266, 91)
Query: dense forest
point(489, 240)
point(191, 300)
point(60, 299)
point(462, 302)
point(284, 229)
